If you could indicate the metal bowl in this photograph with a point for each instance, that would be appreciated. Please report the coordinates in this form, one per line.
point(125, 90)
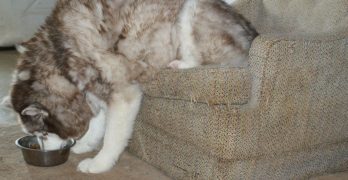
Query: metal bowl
point(42, 158)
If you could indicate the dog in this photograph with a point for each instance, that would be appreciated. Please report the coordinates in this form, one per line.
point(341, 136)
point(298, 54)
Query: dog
point(79, 76)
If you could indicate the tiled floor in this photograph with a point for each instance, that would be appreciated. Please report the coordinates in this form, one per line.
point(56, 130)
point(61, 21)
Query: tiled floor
point(12, 165)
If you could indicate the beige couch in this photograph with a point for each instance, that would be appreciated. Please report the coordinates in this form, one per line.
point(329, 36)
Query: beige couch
point(283, 117)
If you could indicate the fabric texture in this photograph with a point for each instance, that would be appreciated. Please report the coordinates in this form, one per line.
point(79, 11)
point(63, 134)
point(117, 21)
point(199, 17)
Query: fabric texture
point(283, 117)
point(306, 18)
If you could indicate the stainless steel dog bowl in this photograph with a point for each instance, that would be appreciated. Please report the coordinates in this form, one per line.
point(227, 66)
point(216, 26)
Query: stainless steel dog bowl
point(42, 158)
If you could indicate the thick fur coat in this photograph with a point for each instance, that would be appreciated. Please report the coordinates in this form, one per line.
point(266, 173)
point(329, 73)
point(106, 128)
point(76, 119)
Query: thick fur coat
point(79, 76)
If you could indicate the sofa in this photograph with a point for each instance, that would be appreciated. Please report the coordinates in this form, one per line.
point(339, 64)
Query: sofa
point(19, 20)
point(285, 116)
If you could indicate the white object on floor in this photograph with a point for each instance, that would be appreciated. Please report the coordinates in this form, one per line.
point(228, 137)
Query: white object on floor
point(20, 19)
point(7, 115)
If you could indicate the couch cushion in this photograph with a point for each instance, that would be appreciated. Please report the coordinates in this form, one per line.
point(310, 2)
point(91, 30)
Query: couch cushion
point(210, 85)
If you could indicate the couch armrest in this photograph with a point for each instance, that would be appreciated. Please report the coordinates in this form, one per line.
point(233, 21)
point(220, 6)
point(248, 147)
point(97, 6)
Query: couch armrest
point(301, 89)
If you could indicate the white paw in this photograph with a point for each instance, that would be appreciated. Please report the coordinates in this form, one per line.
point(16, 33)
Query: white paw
point(80, 148)
point(180, 64)
point(94, 165)
point(175, 64)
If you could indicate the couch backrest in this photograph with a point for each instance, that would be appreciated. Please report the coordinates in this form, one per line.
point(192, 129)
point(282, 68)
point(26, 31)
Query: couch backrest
point(296, 17)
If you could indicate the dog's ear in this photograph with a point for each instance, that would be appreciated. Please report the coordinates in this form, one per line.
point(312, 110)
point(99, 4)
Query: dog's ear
point(32, 117)
point(34, 110)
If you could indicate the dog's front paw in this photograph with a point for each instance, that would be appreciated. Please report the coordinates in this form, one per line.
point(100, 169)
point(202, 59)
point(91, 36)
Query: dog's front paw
point(90, 165)
point(80, 148)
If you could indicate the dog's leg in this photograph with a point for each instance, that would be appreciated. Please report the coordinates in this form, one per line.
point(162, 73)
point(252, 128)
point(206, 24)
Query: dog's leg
point(121, 114)
point(93, 136)
point(190, 55)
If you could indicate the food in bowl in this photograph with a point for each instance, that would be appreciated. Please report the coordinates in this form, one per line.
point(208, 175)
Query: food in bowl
point(34, 146)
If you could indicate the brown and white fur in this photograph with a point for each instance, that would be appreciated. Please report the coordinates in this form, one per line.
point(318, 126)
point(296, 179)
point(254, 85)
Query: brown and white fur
point(79, 76)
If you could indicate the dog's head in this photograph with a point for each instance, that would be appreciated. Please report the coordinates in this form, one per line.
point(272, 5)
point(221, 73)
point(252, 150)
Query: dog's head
point(45, 100)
